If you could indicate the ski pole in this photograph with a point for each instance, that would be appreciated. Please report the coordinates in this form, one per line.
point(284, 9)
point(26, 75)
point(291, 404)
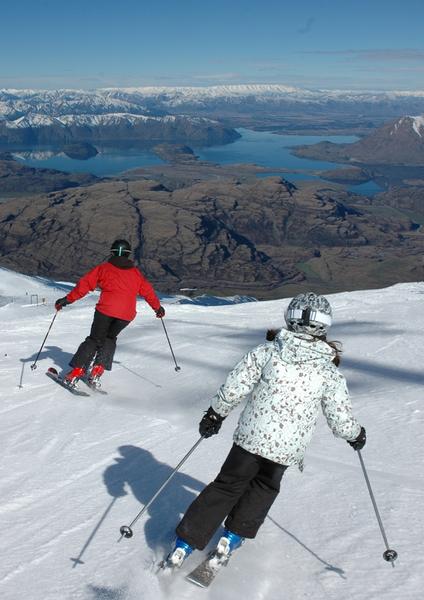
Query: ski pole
point(389, 554)
point(34, 364)
point(126, 530)
point(177, 368)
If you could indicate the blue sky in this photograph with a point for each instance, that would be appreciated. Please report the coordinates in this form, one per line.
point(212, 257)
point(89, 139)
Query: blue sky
point(345, 44)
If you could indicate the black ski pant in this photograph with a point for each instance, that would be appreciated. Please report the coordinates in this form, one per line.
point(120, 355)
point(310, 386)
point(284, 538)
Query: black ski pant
point(100, 345)
point(242, 494)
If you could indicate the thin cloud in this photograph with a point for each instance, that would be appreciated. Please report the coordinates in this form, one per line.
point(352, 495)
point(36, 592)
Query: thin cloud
point(271, 65)
point(377, 54)
point(218, 77)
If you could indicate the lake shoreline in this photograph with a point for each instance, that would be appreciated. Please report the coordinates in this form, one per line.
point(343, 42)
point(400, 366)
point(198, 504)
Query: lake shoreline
point(258, 154)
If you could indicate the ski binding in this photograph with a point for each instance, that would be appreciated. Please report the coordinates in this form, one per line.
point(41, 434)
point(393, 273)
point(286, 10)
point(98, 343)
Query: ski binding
point(54, 375)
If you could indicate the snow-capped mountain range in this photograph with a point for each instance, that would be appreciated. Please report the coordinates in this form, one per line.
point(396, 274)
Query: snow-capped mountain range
point(179, 114)
point(95, 120)
point(158, 101)
point(30, 117)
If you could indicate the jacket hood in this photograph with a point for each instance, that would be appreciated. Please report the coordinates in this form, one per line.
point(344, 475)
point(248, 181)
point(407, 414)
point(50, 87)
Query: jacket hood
point(122, 262)
point(302, 347)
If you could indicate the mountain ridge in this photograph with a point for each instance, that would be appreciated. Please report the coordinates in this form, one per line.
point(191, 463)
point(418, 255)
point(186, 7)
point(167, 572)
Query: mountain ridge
point(264, 238)
point(398, 142)
point(159, 100)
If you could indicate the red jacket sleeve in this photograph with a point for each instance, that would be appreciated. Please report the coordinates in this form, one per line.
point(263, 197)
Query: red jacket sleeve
point(86, 284)
point(148, 293)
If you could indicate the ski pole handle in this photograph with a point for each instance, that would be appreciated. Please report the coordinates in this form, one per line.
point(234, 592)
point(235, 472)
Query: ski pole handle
point(34, 364)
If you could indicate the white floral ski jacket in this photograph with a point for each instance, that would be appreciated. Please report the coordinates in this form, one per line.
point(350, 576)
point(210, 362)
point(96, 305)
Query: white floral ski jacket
point(288, 381)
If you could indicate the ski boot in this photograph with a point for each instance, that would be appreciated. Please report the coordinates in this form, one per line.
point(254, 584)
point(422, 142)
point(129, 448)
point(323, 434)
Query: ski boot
point(71, 379)
point(178, 555)
point(94, 376)
point(228, 543)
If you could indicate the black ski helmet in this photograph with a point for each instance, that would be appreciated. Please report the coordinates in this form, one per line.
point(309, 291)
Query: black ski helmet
point(121, 248)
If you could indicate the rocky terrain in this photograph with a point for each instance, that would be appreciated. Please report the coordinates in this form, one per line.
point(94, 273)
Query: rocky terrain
point(407, 200)
point(348, 176)
point(264, 237)
point(16, 178)
point(183, 168)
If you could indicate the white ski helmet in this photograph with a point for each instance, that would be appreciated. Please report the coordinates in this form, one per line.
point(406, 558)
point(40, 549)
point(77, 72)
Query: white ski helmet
point(309, 313)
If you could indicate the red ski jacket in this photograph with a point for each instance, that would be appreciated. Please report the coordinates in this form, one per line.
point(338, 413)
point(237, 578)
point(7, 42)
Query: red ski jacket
point(120, 286)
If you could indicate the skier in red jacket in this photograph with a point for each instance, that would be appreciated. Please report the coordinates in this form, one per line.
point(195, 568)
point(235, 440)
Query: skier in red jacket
point(120, 283)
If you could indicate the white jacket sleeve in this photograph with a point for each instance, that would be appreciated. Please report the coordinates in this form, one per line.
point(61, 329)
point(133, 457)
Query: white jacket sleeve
point(241, 381)
point(337, 408)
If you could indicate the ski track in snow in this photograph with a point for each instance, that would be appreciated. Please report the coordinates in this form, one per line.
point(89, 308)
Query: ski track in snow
point(75, 469)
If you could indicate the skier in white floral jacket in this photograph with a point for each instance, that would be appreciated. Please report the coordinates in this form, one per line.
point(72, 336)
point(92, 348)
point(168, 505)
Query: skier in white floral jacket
point(286, 382)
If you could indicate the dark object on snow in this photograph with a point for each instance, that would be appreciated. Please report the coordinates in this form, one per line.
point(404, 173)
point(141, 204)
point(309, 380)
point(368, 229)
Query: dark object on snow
point(204, 574)
point(101, 343)
point(120, 283)
point(61, 302)
point(211, 423)
point(242, 494)
point(160, 312)
point(53, 374)
point(360, 441)
point(271, 334)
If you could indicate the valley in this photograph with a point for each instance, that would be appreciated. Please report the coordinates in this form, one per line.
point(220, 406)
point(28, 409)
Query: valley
point(266, 212)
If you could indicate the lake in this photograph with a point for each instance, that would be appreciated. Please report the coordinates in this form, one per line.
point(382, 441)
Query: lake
point(258, 147)
point(108, 162)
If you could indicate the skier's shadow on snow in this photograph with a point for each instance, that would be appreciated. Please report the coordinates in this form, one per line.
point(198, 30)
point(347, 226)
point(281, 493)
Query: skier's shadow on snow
point(328, 566)
point(138, 470)
point(341, 328)
point(53, 353)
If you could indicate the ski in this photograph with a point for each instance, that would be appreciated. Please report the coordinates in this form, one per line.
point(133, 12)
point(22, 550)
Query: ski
point(207, 570)
point(54, 375)
point(94, 387)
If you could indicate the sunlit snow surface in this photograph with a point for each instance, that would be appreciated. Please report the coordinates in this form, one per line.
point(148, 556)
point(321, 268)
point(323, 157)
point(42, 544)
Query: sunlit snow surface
point(74, 470)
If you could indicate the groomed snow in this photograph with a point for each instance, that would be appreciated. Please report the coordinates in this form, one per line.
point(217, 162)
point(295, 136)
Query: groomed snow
point(75, 469)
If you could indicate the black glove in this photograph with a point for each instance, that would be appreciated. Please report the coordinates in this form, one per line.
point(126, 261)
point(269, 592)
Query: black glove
point(61, 302)
point(211, 423)
point(160, 312)
point(359, 442)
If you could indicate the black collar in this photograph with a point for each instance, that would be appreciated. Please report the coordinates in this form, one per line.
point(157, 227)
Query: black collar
point(122, 262)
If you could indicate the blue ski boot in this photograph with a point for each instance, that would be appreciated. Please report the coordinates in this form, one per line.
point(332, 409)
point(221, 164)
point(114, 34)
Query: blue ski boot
point(229, 542)
point(178, 555)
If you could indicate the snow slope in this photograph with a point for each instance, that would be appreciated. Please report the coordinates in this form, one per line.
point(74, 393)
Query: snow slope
point(75, 469)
